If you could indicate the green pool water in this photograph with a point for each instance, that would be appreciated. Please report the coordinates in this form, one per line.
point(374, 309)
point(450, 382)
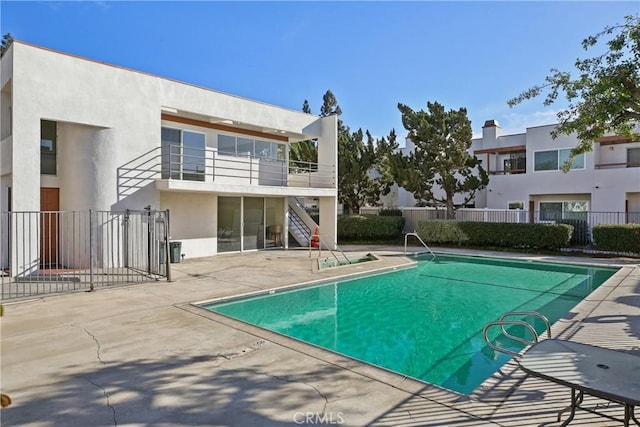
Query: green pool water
point(424, 322)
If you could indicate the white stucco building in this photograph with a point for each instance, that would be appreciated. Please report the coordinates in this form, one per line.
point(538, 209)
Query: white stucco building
point(525, 173)
point(78, 134)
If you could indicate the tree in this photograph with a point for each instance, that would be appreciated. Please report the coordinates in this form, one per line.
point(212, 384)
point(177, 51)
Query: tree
point(362, 171)
point(7, 39)
point(329, 105)
point(305, 107)
point(440, 159)
point(363, 166)
point(605, 95)
point(304, 154)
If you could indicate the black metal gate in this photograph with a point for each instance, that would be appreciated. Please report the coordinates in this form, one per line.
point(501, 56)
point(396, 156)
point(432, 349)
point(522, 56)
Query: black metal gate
point(66, 251)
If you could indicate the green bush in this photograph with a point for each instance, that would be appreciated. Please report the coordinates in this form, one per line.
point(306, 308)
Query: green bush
point(617, 237)
point(369, 227)
point(525, 235)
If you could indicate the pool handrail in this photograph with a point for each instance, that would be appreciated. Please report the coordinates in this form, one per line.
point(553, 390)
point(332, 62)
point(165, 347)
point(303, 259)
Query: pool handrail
point(420, 240)
point(502, 322)
point(526, 313)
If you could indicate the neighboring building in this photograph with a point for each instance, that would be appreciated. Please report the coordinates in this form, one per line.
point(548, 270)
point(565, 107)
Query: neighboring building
point(78, 134)
point(525, 173)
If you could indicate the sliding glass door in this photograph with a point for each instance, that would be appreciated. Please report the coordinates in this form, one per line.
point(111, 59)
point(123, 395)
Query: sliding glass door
point(253, 221)
point(229, 224)
point(241, 223)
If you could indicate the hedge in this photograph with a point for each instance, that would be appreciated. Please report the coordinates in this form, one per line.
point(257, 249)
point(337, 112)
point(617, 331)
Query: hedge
point(369, 227)
point(515, 235)
point(617, 237)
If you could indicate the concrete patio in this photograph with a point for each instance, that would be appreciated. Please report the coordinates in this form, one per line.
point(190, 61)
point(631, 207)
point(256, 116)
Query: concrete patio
point(143, 355)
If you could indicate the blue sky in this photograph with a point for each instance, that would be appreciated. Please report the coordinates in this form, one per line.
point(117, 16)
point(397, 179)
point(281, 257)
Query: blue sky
point(372, 55)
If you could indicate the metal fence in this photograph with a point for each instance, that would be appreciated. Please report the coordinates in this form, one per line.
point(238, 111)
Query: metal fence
point(582, 222)
point(64, 251)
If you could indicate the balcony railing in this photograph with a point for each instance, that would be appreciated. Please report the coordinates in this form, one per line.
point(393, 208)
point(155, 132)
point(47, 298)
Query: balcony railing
point(508, 172)
point(209, 166)
point(618, 165)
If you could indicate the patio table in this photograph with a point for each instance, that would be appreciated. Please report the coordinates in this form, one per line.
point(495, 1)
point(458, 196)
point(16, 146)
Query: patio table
point(608, 374)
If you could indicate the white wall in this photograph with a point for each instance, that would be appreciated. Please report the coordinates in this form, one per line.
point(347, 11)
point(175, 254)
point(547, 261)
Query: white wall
point(605, 188)
point(194, 221)
point(107, 116)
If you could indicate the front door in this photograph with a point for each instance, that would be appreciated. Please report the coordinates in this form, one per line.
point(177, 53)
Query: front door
point(49, 207)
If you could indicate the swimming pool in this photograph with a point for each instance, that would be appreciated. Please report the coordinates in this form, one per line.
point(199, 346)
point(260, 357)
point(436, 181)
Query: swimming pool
point(424, 322)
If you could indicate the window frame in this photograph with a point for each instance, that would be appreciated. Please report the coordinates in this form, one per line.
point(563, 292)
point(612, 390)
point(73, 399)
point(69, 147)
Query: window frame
point(559, 161)
point(179, 174)
point(277, 150)
point(563, 209)
point(635, 164)
point(51, 154)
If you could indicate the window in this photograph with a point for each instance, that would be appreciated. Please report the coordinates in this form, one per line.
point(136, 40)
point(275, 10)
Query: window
point(193, 154)
point(546, 160)
point(551, 160)
point(183, 155)
point(226, 144)
point(170, 153)
point(556, 211)
point(239, 146)
point(515, 205)
point(516, 163)
point(48, 147)
point(245, 147)
point(633, 157)
point(578, 161)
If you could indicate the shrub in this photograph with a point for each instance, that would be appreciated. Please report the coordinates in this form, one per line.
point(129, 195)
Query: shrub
point(617, 237)
point(525, 235)
point(369, 227)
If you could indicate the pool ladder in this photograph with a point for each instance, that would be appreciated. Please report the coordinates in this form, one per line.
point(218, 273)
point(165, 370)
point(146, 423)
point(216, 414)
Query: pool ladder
point(420, 240)
point(502, 322)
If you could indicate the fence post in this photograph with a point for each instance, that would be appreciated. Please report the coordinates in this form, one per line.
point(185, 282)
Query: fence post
point(126, 239)
point(148, 214)
point(166, 245)
point(91, 237)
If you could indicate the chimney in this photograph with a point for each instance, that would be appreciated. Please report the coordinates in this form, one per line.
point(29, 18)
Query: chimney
point(491, 131)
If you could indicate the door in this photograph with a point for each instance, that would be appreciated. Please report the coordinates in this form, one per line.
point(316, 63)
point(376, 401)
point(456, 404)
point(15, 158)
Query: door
point(253, 223)
point(49, 207)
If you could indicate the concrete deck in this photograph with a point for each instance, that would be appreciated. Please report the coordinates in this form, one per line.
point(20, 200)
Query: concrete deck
point(142, 355)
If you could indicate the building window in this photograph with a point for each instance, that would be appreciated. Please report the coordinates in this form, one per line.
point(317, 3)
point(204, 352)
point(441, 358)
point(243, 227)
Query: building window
point(239, 146)
point(556, 211)
point(48, 147)
point(633, 157)
point(516, 163)
point(554, 159)
point(183, 155)
point(515, 205)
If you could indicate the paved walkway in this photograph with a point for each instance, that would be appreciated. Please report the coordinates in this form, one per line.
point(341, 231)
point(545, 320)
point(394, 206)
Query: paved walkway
point(142, 355)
